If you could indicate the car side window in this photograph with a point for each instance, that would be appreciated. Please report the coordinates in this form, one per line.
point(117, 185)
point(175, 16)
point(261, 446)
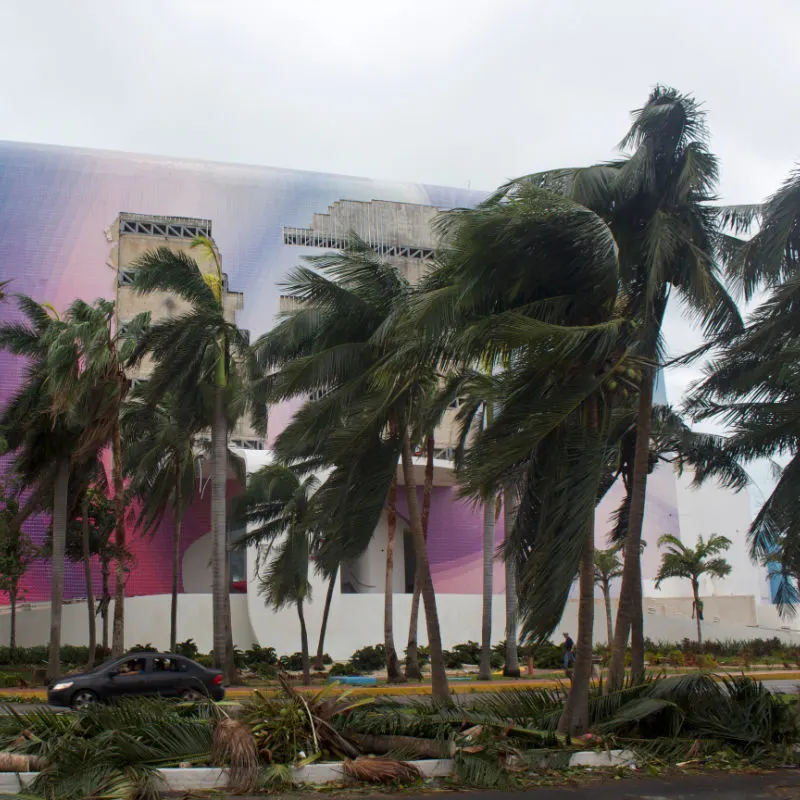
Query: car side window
point(162, 664)
point(133, 666)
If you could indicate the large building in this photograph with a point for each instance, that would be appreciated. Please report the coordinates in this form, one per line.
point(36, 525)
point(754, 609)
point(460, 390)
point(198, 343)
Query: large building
point(71, 225)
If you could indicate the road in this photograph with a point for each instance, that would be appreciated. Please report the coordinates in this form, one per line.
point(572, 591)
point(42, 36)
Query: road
point(783, 785)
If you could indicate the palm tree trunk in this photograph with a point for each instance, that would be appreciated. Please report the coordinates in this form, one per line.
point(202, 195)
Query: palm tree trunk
point(86, 556)
point(485, 669)
point(609, 622)
point(696, 595)
point(118, 630)
point(575, 718)
point(231, 671)
point(106, 574)
point(12, 599)
point(59, 546)
point(629, 612)
point(176, 562)
point(413, 671)
point(393, 674)
point(219, 474)
point(439, 688)
point(511, 669)
point(319, 663)
point(304, 645)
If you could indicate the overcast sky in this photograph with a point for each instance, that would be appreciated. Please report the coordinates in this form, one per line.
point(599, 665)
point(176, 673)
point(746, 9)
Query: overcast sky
point(454, 92)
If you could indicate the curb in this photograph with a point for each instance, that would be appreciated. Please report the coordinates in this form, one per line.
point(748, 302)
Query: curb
point(205, 778)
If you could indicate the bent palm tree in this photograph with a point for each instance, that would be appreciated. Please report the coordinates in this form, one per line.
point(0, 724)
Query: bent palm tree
point(276, 508)
point(681, 561)
point(657, 202)
point(201, 350)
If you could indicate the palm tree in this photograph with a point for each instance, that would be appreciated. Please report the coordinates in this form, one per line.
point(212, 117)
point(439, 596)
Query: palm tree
point(607, 567)
point(45, 435)
point(657, 203)
point(753, 386)
point(393, 673)
point(530, 279)
point(339, 344)
point(160, 462)
point(197, 351)
point(681, 561)
point(276, 507)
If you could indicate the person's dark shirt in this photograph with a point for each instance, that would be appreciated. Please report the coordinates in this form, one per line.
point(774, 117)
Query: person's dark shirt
point(568, 644)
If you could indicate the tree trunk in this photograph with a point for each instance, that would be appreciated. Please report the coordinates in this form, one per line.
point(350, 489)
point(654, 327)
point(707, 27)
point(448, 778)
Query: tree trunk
point(629, 613)
point(609, 622)
point(12, 599)
point(319, 662)
point(219, 474)
point(511, 669)
point(86, 556)
point(575, 717)
point(231, 671)
point(60, 500)
point(393, 674)
point(176, 563)
point(118, 630)
point(304, 645)
point(105, 571)
point(439, 688)
point(485, 669)
point(696, 594)
point(413, 671)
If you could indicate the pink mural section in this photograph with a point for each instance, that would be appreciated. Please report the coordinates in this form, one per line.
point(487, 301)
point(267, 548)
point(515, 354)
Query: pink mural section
point(455, 543)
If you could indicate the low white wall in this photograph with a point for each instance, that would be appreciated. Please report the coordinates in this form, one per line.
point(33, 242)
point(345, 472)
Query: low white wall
point(146, 621)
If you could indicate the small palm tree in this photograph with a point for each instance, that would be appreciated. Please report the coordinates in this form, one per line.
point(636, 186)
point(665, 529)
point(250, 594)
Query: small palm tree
point(607, 567)
point(276, 508)
point(681, 561)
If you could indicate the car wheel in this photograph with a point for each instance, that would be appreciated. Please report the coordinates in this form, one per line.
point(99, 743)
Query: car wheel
point(84, 698)
point(192, 695)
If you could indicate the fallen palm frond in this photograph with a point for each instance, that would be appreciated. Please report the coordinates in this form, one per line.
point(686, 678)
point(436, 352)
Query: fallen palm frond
point(234, 747)
point(381, 770)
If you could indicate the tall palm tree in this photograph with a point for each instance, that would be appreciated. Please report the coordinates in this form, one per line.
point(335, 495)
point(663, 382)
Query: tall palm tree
point(338, 343)
point(197, 351)
point(753, 386)
point(607, 567)
point(531, 279)
point(657, 202)
point(160, 462)
point(276, 507)
point(681, 561)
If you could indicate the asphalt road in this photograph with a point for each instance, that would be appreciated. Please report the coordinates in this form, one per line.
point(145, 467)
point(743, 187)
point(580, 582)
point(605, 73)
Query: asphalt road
point(783, 785)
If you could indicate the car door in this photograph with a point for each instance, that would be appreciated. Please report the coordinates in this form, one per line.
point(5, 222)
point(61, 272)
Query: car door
point(129, 677)
point(168, 676)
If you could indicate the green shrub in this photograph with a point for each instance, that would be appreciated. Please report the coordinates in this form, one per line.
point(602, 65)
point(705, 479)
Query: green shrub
point(8, 681)
point(187, 648)
point(468, 652)
point(205, 660)
point(452, 659)
point(496, 661)
point(292, 663)
point(343, 669)
point(546, 655)
point(707, 661)
point(369, 659)
point(143, 648)
point(676, 658)
point(260, 656)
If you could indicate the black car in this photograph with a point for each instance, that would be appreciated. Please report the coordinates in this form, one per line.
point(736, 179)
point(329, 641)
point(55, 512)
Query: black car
point(135, 674)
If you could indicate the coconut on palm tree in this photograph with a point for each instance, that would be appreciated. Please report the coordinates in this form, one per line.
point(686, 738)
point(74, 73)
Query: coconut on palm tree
point(692, 564)
point(202, 350)
point(276, 509)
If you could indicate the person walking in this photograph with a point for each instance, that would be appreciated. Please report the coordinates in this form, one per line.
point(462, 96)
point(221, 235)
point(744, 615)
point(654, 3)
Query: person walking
point(569, 653)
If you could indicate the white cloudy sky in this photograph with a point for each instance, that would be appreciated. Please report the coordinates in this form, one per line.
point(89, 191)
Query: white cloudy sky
point(455, 92)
